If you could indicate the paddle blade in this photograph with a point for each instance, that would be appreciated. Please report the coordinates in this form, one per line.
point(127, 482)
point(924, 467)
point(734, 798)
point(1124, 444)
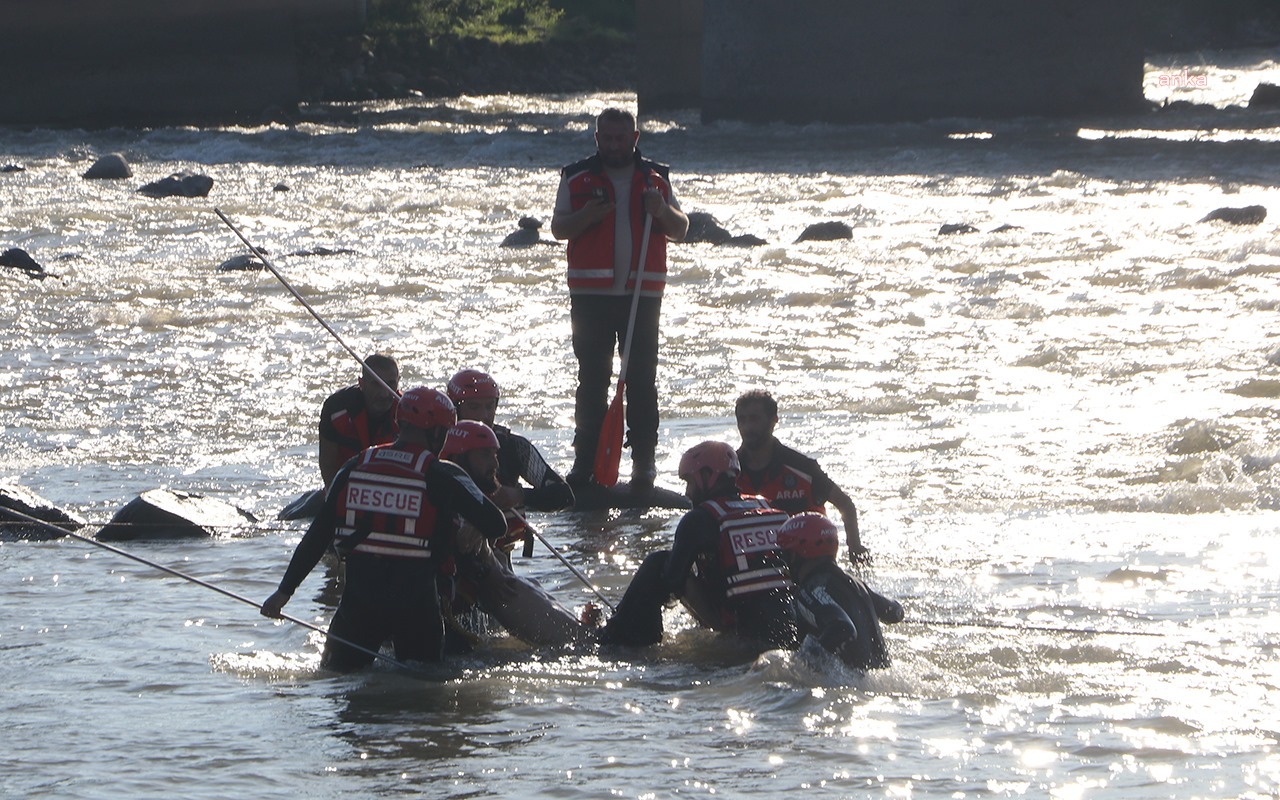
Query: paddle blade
point(609, 448)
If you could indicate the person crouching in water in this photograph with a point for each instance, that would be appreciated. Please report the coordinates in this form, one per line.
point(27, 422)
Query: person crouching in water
point(484, 578)
point(841, 612)
point(724, 564)
point(392, 512)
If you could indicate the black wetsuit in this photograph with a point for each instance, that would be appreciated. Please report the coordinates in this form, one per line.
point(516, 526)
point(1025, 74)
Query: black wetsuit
point(844, 614)
point(517, 459)
point(386, 597)
point(766, 617)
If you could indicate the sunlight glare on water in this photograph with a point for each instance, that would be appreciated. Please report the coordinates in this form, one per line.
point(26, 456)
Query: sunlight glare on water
point(1060, 436)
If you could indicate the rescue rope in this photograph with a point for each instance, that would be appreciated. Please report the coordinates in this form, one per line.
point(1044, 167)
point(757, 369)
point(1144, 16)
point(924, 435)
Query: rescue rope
point(367, 370)
point(176, 573)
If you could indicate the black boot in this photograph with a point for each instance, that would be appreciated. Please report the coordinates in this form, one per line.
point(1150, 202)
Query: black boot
point(644, 469)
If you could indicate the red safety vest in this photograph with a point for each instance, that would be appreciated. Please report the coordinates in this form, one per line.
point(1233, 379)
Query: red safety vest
point(788, 486)
point(590, 255)
point(356, 427)
point(748, 556)
point(383, 509)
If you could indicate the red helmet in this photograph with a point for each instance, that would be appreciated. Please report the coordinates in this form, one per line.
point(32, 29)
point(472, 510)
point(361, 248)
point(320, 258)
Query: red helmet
point(472, 384)
point(704, 464)
point(426, 408)
point(468, 435)
point(809, 535)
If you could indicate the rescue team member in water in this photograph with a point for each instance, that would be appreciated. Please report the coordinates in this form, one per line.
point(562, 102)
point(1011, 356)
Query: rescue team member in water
point(841, 612)
point(600, 207)
point(393, 511)
point(476, 395)
point(358, 416)
point(724, 564)
point(483, 578)
point(789, 480)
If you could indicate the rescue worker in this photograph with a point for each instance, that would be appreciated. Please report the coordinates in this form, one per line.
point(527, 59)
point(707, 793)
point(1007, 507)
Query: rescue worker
point(392, 513)
point(841, 612)
point(476, 395)
point(484, 578)
point(724, 564)
point(789, 480)
point(601, 208)
point(359, 416)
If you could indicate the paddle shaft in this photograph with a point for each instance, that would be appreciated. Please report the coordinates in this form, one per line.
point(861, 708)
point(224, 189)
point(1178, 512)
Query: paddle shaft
point(267, 263)
point(226, 592)
point(609, 446)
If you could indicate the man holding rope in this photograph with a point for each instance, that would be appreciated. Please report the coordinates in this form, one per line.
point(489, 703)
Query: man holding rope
point(601, 209)
point(393, 514)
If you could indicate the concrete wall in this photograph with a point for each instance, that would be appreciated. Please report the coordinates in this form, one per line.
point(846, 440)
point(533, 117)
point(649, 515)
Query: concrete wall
point(146, 62)
point(669, 54)
point(880, 60)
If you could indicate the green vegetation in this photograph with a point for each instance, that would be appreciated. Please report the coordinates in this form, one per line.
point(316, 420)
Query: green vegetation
point(512, 22)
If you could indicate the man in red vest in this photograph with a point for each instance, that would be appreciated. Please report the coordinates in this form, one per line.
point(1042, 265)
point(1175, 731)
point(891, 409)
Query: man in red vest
point(393, 514)
point(789, 480)
point(601, 207)
point(359, 416)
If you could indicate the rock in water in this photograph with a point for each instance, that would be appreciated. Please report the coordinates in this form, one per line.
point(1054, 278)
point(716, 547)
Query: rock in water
point(165, 514)
point(1249, 215)
point(25, 502)
point(109, 167)
point(179, 184)
point(826, 232)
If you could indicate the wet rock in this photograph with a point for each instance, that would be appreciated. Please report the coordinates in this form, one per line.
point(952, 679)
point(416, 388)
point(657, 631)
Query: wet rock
point(32, 505)
point(165, 514)
point(12, 168)
point(179, 184)
point(527, 235)
point(1265, 95)
point(109, 167)
point(953, 228)
point(17, 258)
point(241, 263)
point(1007, 227)
point(1248, 215)
point(322, 251)
point(826, 232)
point(281, 187)
point(704, 228)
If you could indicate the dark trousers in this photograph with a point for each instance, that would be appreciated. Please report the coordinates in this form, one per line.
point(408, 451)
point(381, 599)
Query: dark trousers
point(599, 326)
point(386, 598)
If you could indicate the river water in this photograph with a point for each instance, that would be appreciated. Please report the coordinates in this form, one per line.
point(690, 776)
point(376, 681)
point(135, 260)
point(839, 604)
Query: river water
point(1061, 438)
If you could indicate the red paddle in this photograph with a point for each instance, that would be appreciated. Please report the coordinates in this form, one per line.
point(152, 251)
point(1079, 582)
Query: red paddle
point(609, 448)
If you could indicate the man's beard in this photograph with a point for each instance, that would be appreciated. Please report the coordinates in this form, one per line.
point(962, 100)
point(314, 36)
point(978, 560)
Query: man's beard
point(486, 482)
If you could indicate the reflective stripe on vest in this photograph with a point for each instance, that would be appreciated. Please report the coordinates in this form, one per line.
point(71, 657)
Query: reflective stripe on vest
point(749, 554)
point(590, 255)
point(384, 508)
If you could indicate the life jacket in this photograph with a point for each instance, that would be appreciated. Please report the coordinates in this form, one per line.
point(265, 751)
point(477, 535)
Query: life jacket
point(355, 428)
point(748, 556)
point(590, 255)
point(383, 509)
point(786, 488)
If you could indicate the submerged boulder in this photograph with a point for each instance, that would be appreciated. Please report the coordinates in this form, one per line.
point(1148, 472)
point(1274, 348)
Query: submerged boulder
point(167, 514)
point(826, 232)
point(705, 228)
point(32, 505)
point(17, 258)
point(1248, 215)
point(179, 184)
point(953, 228)
point(527, 235)
point(109, 167)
